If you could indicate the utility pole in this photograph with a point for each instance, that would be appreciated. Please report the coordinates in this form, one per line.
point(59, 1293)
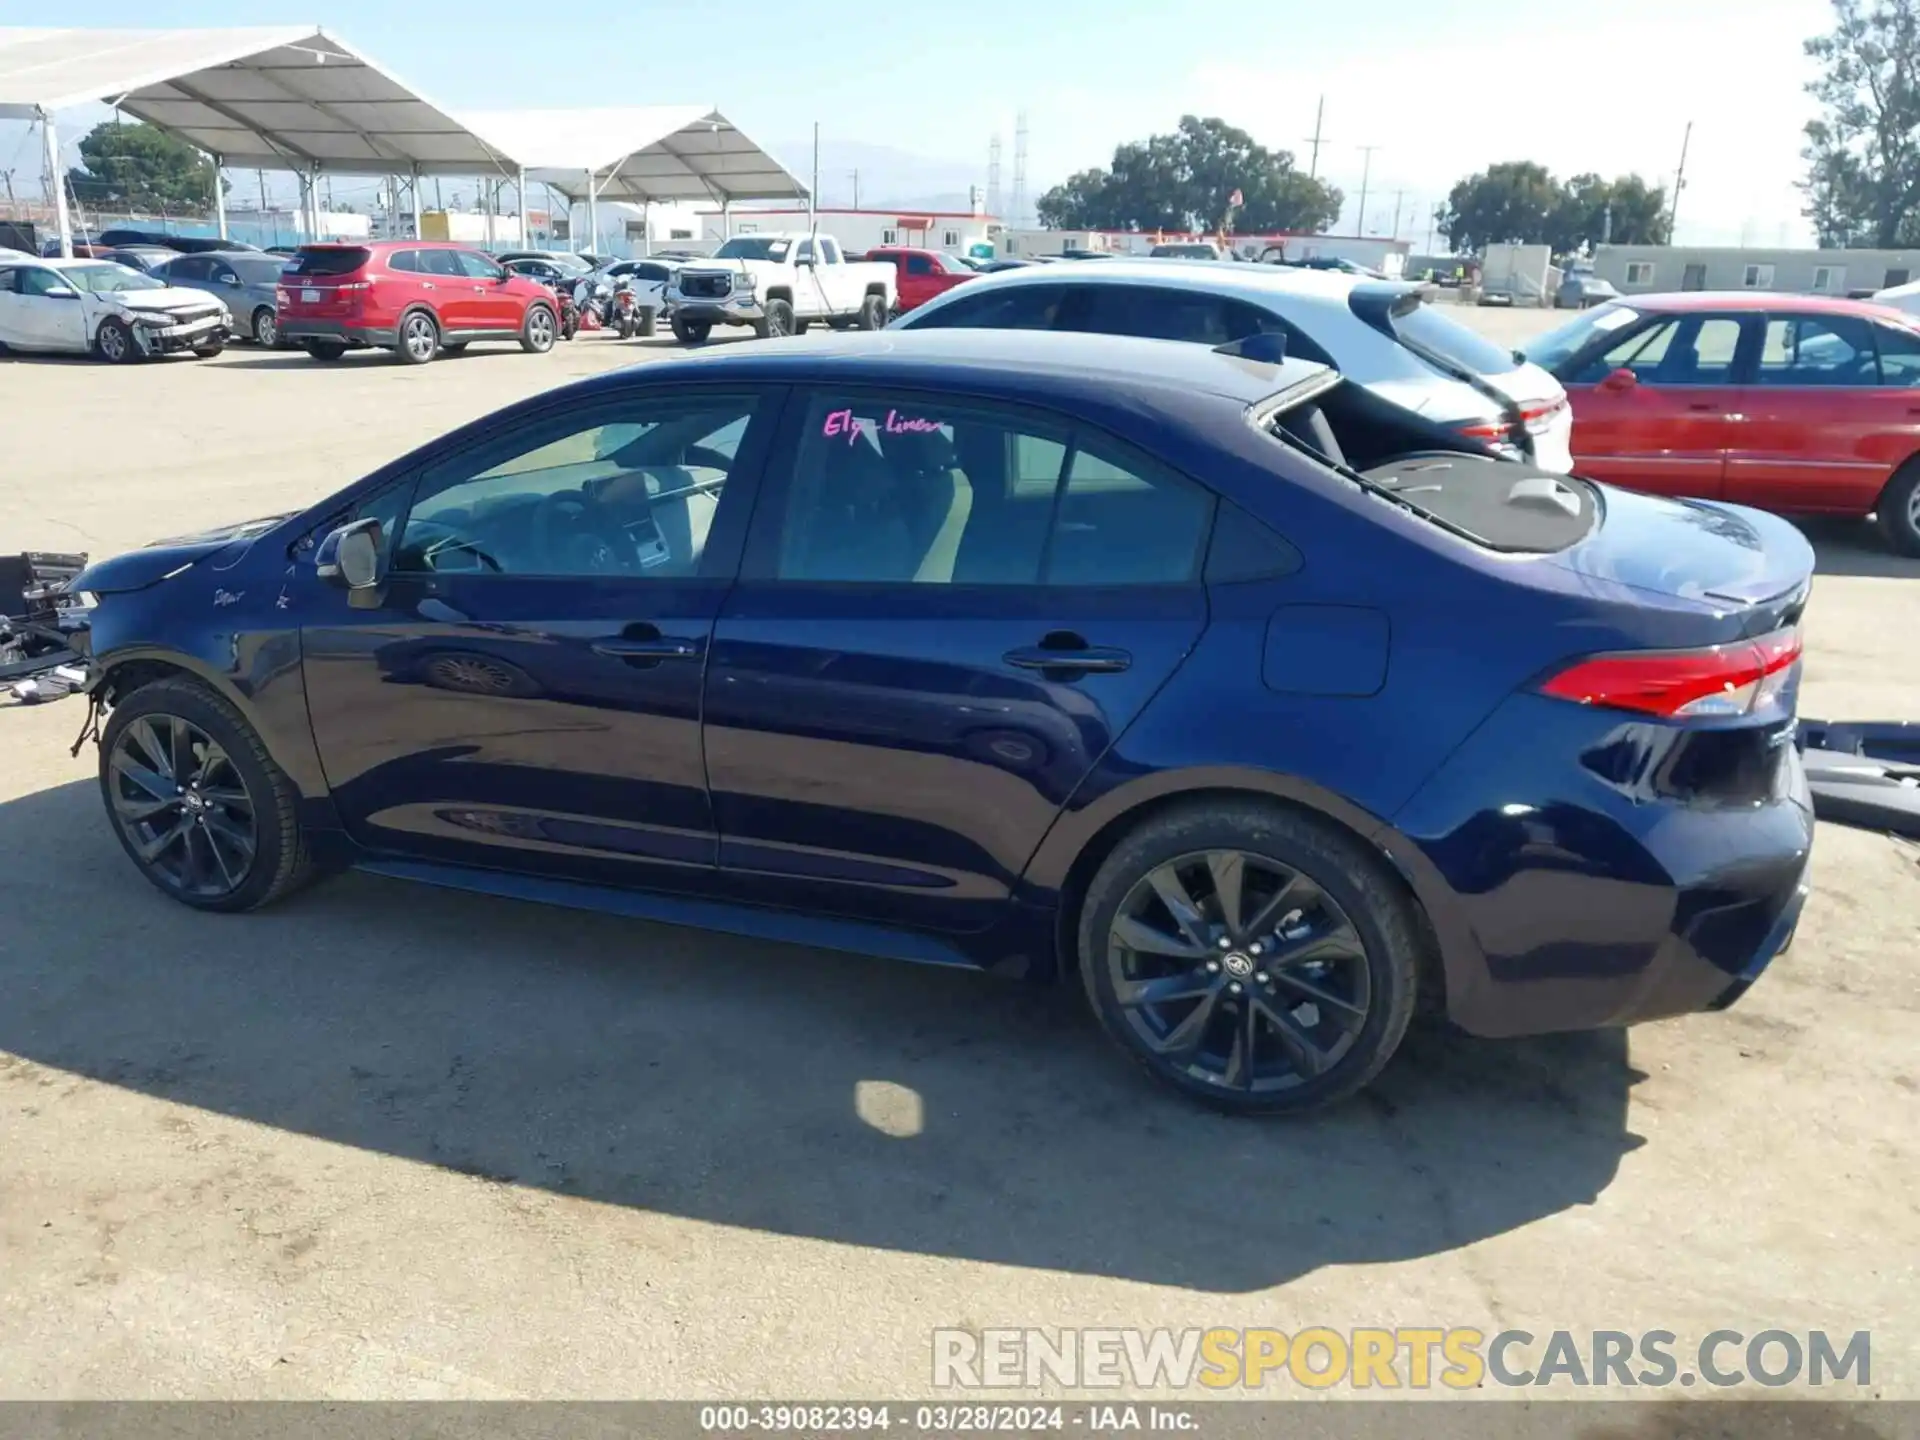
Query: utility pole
point(813, 190)
point(261, 176)
point(1398, 196)
point(1679, 183)
point(856, 188)
point(1432, 216)
point(8, 176)
point(436, 194)
point(1366, 169)
point(1313, 161)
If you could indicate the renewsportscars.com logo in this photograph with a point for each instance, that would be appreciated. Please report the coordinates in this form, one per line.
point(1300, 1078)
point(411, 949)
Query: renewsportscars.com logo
point(1405, 1357)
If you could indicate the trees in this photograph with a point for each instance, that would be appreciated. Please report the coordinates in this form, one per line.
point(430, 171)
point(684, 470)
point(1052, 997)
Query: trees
point(1185, 181)
point(1863, 150)
point(139, 167)
point(1519, 200)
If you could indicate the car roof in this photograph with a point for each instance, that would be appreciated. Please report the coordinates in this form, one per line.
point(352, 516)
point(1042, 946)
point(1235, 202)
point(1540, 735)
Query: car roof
point(1218, 277)
point(1012, 364)
point(1689, 300)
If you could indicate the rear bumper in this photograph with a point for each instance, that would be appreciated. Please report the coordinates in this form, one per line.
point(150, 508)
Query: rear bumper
point(294, 329)
point(1600, 889)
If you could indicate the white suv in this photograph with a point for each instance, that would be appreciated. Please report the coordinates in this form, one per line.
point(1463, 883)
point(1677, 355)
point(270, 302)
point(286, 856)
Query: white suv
point(1383, 334)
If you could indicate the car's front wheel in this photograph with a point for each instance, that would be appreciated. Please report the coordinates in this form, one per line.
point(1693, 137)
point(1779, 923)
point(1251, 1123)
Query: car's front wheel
point(115, 342)
point(1250, 956)
point(776, 321)
point(691, 332)
point(196, 801)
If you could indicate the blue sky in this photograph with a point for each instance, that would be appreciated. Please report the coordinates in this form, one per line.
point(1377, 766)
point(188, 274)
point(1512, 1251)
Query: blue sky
point(1441, 89)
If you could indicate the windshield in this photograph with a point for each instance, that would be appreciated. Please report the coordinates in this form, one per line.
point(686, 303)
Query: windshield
point(108, 279)
point(753, 247)
point(958, 264)
point(258, 272)
point(1551, 350)
point(564, 261)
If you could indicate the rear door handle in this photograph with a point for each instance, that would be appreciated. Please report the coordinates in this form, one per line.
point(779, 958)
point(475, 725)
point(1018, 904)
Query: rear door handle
point(661, 648)
point(1089, 660)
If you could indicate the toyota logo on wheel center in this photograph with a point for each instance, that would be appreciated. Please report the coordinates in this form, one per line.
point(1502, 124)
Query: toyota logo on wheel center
point(1237, 965)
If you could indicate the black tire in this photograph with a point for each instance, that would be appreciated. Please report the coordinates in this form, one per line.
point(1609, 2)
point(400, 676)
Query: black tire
point(326, 351)
point(265, 328)
point(1898, 509)
point(114, 342)
point(418, 339)
point(776, 320)
point(649, 324)
point(840, 322)
point(691, 332)
point(538, 330)
point(800, 326)
point(280, 861)
point(208, 352)
point(1347, 893)
point(873, 313)
point(454, 347)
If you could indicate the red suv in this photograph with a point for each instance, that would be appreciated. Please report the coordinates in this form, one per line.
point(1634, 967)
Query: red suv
point(922, 274)
point(413, 297)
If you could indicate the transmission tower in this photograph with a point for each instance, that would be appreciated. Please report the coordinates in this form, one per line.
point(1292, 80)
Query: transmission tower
point(1019, 204)
point(993, 178)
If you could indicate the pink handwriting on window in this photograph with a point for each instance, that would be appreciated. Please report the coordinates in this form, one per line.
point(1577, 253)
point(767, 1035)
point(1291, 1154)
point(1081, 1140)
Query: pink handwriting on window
point(845, 422)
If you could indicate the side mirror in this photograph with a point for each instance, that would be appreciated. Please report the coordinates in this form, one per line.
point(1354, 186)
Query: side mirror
point(350, 557)
point(61, 292)
point(1619, 380)
point(806, 260)
point(232, 280)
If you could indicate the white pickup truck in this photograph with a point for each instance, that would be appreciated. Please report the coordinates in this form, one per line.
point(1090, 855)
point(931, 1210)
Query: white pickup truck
point(779, 284)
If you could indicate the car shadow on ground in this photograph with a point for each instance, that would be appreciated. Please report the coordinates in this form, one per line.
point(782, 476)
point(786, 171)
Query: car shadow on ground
point(788, 1090)
point(1854, 547)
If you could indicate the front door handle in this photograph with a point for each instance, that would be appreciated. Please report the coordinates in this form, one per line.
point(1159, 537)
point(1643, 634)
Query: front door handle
point(1086, 660)
point(661, 647)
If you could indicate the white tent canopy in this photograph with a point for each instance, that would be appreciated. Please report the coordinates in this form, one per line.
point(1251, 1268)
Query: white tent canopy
point(279, 97)
point(639, 153)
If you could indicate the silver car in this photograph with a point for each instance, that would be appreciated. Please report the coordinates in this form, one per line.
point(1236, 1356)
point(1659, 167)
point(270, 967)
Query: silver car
point(1383, 334)
point(247, 280)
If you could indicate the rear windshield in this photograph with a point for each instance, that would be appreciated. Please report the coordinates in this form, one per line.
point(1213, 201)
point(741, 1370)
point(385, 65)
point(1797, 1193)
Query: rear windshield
point(328, 260)
point(1426, 327)
point(257, 272)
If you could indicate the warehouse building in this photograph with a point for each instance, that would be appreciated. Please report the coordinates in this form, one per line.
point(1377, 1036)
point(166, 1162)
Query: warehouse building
point(1642, 269)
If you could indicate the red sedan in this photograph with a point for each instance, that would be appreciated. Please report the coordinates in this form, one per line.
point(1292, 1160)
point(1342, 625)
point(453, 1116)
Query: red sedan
point(1802, 404)
point(923, 274)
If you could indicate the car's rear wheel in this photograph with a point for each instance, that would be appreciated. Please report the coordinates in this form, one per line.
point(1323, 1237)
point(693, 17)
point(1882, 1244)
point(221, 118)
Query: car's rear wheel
point(1250, 956)
point(538, 330)
point(196, 801)
point(266, 327)
point(324, 350)
point(691, 332)
point(115, 342)
point(419, 339)
point(1898, 510)
point(873, 313)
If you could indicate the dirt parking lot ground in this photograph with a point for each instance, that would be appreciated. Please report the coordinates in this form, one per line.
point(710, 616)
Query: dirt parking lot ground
point(386, 1141)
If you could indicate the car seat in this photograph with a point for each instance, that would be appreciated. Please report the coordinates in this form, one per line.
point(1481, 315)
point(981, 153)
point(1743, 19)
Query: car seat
point(936, 497)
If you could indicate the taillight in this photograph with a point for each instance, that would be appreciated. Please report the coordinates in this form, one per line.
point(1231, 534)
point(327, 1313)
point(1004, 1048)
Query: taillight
point(1489, 430)
point(1722, 680)
point(1538, 416)
point(281, 298)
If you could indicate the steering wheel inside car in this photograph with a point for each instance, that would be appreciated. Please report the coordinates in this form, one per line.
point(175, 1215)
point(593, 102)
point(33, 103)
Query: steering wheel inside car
point(706, 456)
point(572, 536)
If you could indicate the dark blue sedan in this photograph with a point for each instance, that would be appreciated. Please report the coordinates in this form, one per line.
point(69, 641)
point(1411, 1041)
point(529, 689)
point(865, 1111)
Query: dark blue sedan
point(1262, 706)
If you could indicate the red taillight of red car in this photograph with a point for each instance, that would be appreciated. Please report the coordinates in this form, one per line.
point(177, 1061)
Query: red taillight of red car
point(1723, 680)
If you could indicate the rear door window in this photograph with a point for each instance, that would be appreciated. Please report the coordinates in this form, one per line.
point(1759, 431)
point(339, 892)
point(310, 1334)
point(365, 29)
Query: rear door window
point(1899, 350)
point(1817, 351)
point(476, 266)
point(328, 260)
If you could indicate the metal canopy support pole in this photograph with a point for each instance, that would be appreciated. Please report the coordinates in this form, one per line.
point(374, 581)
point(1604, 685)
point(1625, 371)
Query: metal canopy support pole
point(593, 214)
point(219, 199)
point(646, 227)
point(726, 219)
point(59, 182)
point(415, 189)
point(520, 199)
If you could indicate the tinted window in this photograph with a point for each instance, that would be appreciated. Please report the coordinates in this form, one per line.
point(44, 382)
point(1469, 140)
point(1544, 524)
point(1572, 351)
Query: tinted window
point(1679, 350)
point(921, 492)
point(188, 267)
point(919, 265)
point(1015, 307)
point(1824, 350)
point(405, 261)
point(10, 281)
point(440, 262)
point(1158, 314)
point(1899, 354)
point(1426, 327)
point(477, 266)
point(258, 272)
point(630, 489)
point(327, 260)
point(830, 248)
point(35, 281)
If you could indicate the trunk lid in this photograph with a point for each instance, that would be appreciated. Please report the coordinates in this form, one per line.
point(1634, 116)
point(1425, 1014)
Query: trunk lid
point(1726, 556)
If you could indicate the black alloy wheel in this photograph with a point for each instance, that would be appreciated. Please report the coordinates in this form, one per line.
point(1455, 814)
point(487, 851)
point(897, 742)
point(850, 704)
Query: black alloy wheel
point(1239, 971)
point(182, 807)
point(1253, 957)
